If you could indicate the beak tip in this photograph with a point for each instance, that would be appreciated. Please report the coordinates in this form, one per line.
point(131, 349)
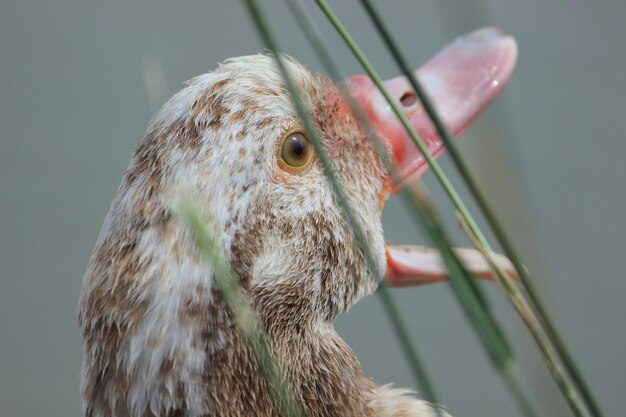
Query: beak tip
point(492, 36)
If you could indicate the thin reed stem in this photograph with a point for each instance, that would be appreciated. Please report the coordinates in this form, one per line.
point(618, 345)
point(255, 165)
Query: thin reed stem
point(502, 238)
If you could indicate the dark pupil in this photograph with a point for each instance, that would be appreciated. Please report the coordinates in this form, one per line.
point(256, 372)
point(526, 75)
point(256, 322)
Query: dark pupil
point(298, 145)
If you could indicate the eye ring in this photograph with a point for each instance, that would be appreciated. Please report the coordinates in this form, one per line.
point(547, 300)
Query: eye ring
point(295, 152)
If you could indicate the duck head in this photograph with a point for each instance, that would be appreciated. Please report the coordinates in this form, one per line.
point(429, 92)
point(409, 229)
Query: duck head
point(157, 339)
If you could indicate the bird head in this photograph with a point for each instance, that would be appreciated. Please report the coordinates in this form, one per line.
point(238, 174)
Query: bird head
point(231, 141)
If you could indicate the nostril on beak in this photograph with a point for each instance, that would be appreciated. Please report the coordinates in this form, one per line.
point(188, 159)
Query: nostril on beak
point(408, 99)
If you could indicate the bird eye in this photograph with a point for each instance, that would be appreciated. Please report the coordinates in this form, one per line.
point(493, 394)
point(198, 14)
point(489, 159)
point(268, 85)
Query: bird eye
point(295, 153)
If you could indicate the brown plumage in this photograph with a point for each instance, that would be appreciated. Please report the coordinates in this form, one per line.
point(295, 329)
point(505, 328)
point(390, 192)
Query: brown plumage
point(157, 339)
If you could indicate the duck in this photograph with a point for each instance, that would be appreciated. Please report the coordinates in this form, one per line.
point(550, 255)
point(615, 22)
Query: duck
point(158, 339)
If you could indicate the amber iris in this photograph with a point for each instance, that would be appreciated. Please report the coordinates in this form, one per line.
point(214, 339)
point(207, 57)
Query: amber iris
point(296, 153)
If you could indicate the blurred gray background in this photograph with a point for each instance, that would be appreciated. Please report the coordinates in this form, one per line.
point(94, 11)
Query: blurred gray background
point(550, 154)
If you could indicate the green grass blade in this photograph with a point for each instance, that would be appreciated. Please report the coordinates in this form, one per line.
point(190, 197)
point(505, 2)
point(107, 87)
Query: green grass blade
point(247, 321)
point(472, 185)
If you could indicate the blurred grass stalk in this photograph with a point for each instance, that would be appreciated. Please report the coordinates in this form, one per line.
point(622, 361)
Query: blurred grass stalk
point(238, 303)
point(155, 81)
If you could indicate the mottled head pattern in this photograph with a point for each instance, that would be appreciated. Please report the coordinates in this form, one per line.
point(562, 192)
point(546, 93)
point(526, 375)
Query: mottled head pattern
point(157, 340)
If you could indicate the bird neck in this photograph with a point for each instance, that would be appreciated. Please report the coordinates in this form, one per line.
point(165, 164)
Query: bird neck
point(323, 373)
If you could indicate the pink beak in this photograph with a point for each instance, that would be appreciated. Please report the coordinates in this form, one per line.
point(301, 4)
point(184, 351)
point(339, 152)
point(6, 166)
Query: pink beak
point(461, 81)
